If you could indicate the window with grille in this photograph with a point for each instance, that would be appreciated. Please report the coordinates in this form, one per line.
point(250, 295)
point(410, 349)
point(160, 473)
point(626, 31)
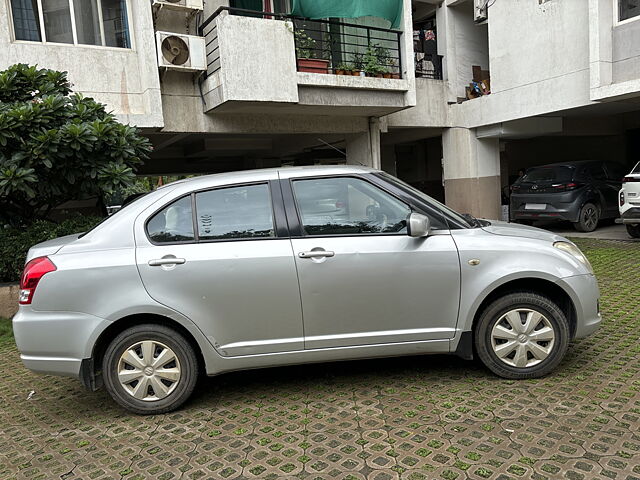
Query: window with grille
point(79, 22)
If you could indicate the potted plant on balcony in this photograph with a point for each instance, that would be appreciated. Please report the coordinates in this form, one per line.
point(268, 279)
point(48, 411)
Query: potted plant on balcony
point(305, 49)
point(358, 64)
point(343, 69)
point(372, 66)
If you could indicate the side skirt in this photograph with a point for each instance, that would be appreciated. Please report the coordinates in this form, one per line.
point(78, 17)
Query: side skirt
point(220, 364)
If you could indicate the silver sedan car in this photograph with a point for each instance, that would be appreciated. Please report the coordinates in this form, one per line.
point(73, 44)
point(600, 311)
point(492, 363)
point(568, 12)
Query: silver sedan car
point(289, 266)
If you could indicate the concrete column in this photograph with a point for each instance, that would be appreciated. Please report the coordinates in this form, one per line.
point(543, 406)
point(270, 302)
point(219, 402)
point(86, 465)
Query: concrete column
point(471, 173)
point(364, 148)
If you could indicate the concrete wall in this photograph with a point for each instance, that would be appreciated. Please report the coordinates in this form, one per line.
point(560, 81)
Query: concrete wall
point(539, 62)
point(614, 53)
point(126, 80)
point(532, 42)
point(431, 108)
point(626, 52)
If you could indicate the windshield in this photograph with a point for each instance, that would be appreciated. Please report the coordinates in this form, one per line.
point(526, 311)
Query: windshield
point(636, 169)
point(548, 174)
point(427, 199)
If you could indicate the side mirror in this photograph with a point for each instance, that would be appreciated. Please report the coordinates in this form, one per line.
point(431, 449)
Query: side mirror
point(418, 225)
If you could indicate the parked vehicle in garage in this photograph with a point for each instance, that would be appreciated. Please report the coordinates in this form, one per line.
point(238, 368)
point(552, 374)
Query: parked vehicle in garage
point(288, 266)
point(582, 192)
point(630, 202)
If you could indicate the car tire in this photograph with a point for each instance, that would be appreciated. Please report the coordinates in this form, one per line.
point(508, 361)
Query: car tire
point(132, 372)
point(633, 230)
point(538, 343)
point(588, 218)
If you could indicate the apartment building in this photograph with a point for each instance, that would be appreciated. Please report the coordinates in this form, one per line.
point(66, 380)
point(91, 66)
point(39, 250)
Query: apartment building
point(453, 96)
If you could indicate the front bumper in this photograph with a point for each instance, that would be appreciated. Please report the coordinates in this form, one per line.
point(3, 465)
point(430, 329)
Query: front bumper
point(561, 206)
point(55, 343)
point(585, 294)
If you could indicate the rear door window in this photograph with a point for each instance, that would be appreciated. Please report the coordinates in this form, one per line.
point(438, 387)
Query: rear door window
point(235, 212)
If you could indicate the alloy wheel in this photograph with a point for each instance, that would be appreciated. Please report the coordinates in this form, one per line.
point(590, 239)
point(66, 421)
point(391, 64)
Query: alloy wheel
point(590, 217)
point(522, 338)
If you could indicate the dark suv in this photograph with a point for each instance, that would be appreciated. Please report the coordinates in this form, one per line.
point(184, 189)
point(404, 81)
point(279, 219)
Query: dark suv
point(582, 192)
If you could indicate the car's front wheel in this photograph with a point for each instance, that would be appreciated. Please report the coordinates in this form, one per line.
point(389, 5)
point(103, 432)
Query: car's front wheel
point(150, 369)
point(522, 335)
point(633, 230)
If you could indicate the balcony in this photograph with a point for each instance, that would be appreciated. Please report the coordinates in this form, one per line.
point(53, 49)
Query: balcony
point(261, 62)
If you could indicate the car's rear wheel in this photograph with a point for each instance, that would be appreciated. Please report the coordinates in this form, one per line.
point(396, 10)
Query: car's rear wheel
point(633, 230)
point(522, 335)
point(588, 218)
point(150, 369)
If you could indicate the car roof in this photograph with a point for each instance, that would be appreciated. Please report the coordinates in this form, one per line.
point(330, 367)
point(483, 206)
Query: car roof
point(257, 175)
point(572, 163)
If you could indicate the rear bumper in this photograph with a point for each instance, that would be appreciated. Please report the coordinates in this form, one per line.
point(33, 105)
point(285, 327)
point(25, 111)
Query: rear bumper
point(561, 206)
point(55, 343)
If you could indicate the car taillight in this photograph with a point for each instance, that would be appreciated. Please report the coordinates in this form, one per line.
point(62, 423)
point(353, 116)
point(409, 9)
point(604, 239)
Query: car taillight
point(566, 186)
point(33, 272)
point(630, 179)
point(621, 199)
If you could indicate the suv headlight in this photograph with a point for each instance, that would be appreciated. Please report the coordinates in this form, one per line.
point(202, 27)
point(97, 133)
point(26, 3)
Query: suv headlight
point(575, 252)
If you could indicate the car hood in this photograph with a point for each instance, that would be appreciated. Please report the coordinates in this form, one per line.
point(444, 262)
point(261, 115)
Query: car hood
point(51, 247)
point(517, 230)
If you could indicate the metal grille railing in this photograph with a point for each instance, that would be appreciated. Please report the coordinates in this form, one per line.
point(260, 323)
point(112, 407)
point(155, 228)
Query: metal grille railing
point(324, 46)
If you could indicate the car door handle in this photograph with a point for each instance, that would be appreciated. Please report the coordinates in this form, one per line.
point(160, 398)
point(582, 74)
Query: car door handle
point(158, 262)
point(316, 254)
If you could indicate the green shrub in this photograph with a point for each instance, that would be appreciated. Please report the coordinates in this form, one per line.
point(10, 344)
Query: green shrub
point(15, 242)
point(56, 147)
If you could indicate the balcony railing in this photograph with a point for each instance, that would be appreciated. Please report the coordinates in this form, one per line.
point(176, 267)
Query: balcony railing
point(324, 46)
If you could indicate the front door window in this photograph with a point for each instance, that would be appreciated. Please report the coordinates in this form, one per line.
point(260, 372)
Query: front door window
point(347, 206)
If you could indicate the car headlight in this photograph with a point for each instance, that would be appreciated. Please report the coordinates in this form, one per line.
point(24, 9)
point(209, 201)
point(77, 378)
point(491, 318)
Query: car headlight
point(575, 252)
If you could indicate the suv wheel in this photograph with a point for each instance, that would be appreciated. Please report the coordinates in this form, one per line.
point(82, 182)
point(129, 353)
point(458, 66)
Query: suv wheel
point(522, 335)
point(633, 230)
point(588, 218)
point(150, 369)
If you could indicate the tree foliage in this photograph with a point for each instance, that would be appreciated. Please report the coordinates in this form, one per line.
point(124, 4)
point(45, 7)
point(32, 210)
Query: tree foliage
point(57, 146)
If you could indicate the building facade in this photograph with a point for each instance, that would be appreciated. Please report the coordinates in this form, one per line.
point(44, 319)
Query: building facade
point(456, 99)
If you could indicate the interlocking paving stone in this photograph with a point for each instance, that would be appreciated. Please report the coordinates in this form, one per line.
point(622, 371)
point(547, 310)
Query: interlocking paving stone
point(416, 418)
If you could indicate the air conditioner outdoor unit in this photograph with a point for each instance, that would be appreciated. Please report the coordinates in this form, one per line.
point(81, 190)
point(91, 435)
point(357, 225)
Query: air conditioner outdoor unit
point(180, 4)
point(480, 10)
point(181, 52)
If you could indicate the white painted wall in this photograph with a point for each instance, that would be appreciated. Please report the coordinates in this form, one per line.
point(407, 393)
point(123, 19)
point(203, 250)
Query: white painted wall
point(126, 80)
point(532, 42)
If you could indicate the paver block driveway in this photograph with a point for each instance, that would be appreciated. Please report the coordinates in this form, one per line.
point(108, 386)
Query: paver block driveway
point(431, 417)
